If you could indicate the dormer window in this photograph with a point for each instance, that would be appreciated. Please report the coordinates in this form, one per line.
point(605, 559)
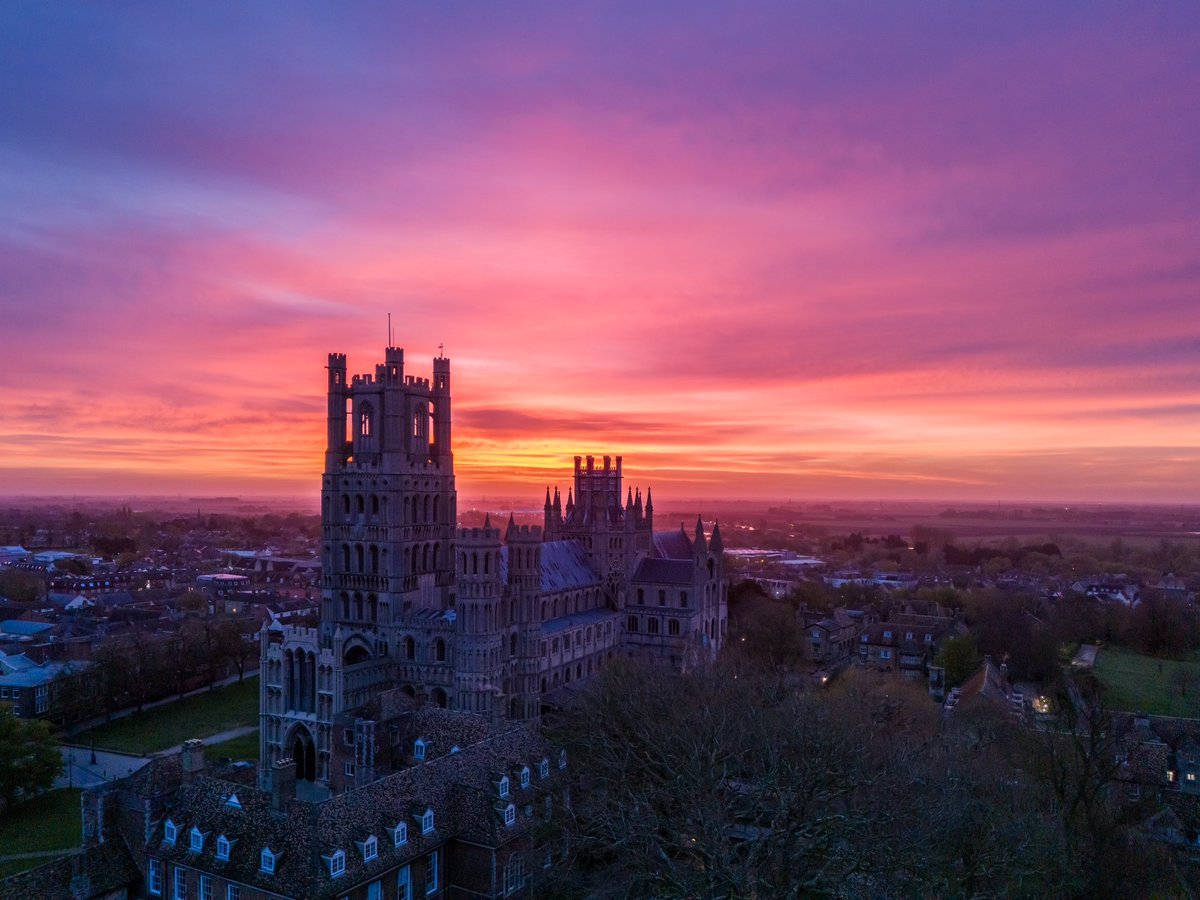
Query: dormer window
point(544, 768)
point(197, 840)
point(370, 848)
point(267, 861)
point(502, 786)
point(400, 834)
point(510, 815)
point(337, 863)
point(419, 749)
point(224, 845)
point(525, 777)
point(427, 821)
point(562, 759)
point(169, 831)
point(234, 801)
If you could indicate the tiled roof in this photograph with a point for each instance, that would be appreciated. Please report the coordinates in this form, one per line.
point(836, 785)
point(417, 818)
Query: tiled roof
point(457, 787)
point(105, 868)
point(664, 571)
point(673, 544)
point(440, 729)
point(577, 620)
point(565, 566)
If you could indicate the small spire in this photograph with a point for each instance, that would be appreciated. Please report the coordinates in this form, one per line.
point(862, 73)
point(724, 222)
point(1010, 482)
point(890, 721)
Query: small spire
point(629, 499)
point(512, 527)
point(716, 543)
point(649, 502)
point(547, 496)
point(487, 520)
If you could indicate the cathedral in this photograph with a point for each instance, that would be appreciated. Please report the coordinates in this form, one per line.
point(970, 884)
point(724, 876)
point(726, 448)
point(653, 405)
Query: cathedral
point(491, 620)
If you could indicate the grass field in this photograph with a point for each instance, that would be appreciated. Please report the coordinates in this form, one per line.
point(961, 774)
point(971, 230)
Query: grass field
point(244, 747)
point(1138, 683)
point(171, 724)
point(48, 822)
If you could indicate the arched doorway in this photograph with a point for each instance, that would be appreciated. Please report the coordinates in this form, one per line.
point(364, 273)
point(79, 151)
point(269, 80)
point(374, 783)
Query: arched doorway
point(304, 752)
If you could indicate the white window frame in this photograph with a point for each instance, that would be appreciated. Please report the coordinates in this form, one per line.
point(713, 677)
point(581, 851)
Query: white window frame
point(195, 840)
point(419, 749)
point(525, 777)
point(400, 834)
point(370, 848)
point(510, 815)
point(375, 890)
point(266, 861)
point(180, 883)
point(170, 832)
point(502, 786)
point(404, 883)
point(544, 768)
point(223, 847)
point(431, 873)
point(233, 892)
point(337, 863)
point(206, 887)
point(427, 821)
point(154, 877)
point(348, 770)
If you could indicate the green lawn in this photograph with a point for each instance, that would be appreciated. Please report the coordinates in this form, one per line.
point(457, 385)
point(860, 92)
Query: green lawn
point(239, 748)
point(1138, 683)
point(48, 822)
point(193, 717)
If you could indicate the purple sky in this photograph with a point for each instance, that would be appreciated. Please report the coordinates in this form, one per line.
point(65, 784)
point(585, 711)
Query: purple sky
point(855, 249)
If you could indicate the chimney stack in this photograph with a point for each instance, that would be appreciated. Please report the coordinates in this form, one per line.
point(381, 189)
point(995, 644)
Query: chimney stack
point(283, 784)
point(192, 759)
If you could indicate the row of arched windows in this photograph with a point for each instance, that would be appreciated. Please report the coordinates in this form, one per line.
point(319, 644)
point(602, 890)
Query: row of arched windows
point(359, 608)
point(408, 649)
point(653, 625)
point(419, 509)
point(365, 559)
point(580, 669)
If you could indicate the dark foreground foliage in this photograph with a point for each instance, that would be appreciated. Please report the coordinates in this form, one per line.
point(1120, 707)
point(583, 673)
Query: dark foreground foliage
point(745, 785)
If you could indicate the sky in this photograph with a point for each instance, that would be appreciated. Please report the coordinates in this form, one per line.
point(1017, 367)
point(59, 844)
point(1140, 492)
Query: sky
point(773, 250)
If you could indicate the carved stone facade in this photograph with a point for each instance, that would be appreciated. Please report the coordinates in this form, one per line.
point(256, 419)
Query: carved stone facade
point(464, 617)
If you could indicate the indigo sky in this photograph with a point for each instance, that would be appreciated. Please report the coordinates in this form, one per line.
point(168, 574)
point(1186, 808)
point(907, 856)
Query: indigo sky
point(926, 249)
